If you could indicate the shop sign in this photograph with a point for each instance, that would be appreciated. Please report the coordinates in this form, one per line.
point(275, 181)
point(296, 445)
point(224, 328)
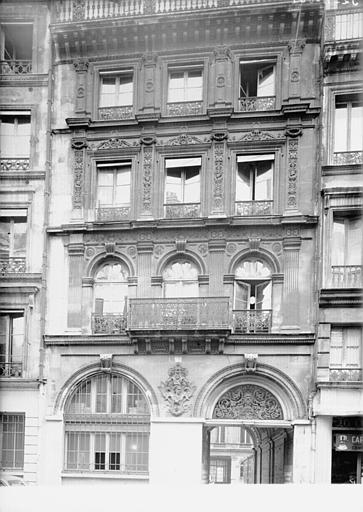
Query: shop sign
point(349, 442)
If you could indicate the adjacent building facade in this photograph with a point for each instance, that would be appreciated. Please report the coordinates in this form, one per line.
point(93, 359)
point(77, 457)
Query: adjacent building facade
point(195, 321)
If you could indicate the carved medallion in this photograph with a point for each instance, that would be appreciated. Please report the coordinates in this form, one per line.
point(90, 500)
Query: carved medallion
point(177, 390)
point(248, 402)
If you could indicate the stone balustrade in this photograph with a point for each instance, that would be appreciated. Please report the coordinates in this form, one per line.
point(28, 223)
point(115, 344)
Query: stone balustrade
point(346, 276)
point(345, 375)
point(348, 158)
point(14, 164)
point(182, 210)
point(109, 323)
point(116, 113)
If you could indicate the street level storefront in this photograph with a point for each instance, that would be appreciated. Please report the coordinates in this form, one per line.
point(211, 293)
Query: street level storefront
point(347, 456)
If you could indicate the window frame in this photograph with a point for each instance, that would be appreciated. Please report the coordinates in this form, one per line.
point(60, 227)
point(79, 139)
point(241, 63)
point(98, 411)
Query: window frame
point(114, 165)
point(125, 283)
point(9, 213)
point(117, 74)
point(344, 365)
point(185, 71)
point(19, 414)
point(349, 121)
point(180, 281)
point(3, 38)
point(25, 111)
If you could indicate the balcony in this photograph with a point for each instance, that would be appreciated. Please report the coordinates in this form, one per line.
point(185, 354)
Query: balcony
point(257, 103)
point(343, 27)
point(252, 321)
point(199, 313)
point(345, 375)
point(116, 113)
point(11, 369)
point(12, 266)
point(346, 276)
point(182, 210)
point(185, 108)
point(348, 158)
point(14, 164)
point(253, 208)
point(112, 213)
point(15, 67)
point(111, 323)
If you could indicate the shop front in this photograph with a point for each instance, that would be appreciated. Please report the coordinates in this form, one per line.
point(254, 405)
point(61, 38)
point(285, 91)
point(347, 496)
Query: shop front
point(347, 455)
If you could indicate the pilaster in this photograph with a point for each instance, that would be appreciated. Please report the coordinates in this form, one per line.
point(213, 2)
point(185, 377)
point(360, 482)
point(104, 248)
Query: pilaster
point(144, 255)
point(75, 259)
point(290, 288)
point(81, 68)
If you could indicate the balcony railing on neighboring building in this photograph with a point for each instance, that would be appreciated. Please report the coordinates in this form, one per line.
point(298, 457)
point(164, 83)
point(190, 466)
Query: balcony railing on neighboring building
point(346, 276)
point(184, 108)
point(68, 11)
point(179, 314)
point(116, 113)
point(109, 323)
point(348, 157)
point(252, 321)
point(11, 369)
point(112, 213)
point(343, 27)
point(345, 375)
point(182, 210)
point(14, 164)
point(250, 208)
point(12, 265)
point(256, 103)
point(15, 67)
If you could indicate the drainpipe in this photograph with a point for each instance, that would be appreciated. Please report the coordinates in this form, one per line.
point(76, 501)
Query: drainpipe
point(47, 192)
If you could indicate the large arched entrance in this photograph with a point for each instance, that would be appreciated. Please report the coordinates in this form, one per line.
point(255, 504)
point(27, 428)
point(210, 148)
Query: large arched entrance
point(248, 434)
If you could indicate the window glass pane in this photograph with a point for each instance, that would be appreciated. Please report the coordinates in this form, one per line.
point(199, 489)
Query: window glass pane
point(338, 242)
point(244, 182)
point(114, 451)
point(19, 248)
point(101, 394)
point(263, 177)
point(105, 178)
point(4, 237)
point(125, 96)
point(263, 295)
point(123, 177)
point(336, 347)
point(113, 272)
point(81, 400)
point(137, 448)
point(356, 128)
point(181, 270)
point(136, 403)
point(340, 127)
point(4, 333)
point(354, 241)
point(192, 185)
point(173, 186)
point(266, 81)
point(352, 342)
point(116, 394)
point(108, 91)
point(17, 339)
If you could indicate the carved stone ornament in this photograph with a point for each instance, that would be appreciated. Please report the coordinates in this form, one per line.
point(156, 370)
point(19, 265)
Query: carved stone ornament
point(292, 174)
point(177, 390)
point(147, 140)
point(113, 144)
point(147, 180)
point(78, 144)
point(293, 132)
point(218, 178)
point(295, 75)
point(183, 139)
point(78, 178)
point(257, 134)
point(222, 53)
point(106, 362)
point(220, 136)
point(296, 46)
point(81, 65)
point(248, 402)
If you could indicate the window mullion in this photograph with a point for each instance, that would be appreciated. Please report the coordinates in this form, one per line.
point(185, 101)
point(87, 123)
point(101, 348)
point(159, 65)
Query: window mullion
point(123, 451)
point(107, 451)
point(349, 127)
point(92, 445)
point(11, 238)
point(117, 89)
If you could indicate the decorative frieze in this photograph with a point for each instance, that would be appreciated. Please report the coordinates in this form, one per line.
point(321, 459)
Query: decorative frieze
point(112, 214)
point(12, 266)
point(348, 158)
point(255, 103)
point(182, 210)
point(81, 67)
point(146, 206)
point(113, 143)
point(259, 135)
point(78, 172)
point(116, 113)
point(14, 164)
point(253, 208)
point(183, 139)
point(177, 390)
point(248, 402)
point(187, 108)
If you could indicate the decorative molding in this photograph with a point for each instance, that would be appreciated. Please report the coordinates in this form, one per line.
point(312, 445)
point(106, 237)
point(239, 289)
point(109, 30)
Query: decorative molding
point(106, 362)
point(222, 53)
point(258, 135)
point(78, 178)
point(148, 140)
point(110, 247)
point(79, 144)
point(220, 135)
point(113, 143)
point(149, 58)
point(180, 245)
point(248, 401)
point(254, 243)
point(295, 75)
point(292, 174)
point(296, 46)
point(81, 65)
point(183, 139)
point(218, 179)
point(250, 362)
point(147, 181)
point(177, 390)
point(293, 132)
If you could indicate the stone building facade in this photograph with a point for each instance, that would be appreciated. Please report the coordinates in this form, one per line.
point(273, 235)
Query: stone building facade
point(185, 319)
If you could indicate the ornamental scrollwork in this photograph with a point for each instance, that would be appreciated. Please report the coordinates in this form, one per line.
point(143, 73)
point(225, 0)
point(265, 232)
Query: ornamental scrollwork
point(218, 178)
point(177, 390)
point(183, 139)
point(78, 178)
point(248, 401)
point(292, 174)
point(113, 144)
point(147, 180)
point(257, 134)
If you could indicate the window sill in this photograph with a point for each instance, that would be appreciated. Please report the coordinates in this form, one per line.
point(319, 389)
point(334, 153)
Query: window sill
point(103, 476)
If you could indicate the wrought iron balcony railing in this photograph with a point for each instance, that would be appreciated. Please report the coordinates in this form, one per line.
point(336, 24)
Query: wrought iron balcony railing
point(252, 321)
point(116, 113)
point(190, 313)
point(345, 375)
point(257, 103)
point(111, 323)
point(184, 108)
point(348, 157)
point(346, 276)
point(12, 265)
point(68, 11)
point(14, 164)
point(112, 213)
point(182, 210)
point(250, 208)
point(11, 369)
point(15, 67)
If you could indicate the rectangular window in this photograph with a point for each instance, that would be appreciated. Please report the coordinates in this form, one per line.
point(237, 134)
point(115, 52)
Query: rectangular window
point(347, 240)
point(15, 134)
point(11, 344)
point(16, 41)
point(12, 428)
point(257, 78)
point(185, 85)
point(13, 228)
point(254, 178)
point(116, 90)
point(100, 451)
point(220, 470)
point(346, 348)
point(348, 123)
point(182, 180)
point(78, 450)
point(113, 184)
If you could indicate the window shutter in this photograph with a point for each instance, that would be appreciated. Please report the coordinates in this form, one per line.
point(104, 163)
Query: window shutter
point(336, 347)
point(99, 306)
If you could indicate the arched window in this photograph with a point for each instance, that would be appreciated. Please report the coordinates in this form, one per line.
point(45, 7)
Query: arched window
point(180, 279)
point(107, 424)
point(111, 288)
point(252, 285)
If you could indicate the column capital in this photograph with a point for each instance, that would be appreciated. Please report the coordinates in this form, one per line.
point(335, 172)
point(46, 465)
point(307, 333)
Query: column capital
point(292, 244)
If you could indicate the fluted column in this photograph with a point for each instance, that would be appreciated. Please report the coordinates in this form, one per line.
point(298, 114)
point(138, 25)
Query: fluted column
point(276, 303)
point(144, 255)
point(217, 249)
point(87, 303)
point(75, 260)
point(146, 184)
point(291, 285)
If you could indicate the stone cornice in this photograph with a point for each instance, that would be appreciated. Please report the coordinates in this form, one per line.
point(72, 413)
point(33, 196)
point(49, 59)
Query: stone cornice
point(266, 339)
point(26, 175)
point(340, 297)
point(13, 383)
point(86, 339)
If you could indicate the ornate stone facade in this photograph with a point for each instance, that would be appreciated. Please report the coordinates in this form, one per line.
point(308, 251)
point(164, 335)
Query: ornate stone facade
point(177, 390)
